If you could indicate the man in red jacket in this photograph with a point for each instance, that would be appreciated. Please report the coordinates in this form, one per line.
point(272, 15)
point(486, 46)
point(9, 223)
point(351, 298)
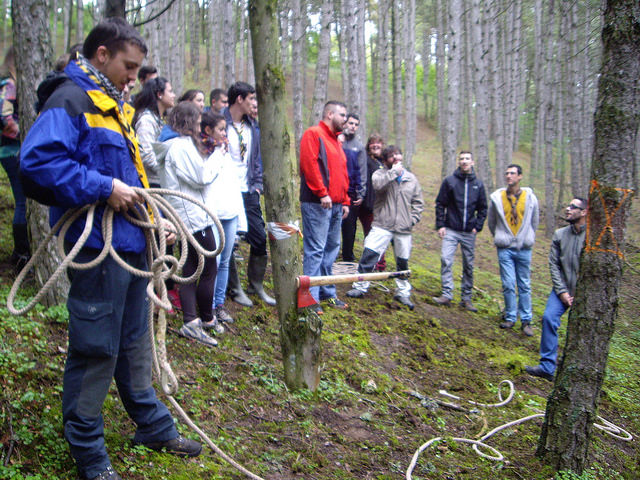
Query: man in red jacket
point(323, 198)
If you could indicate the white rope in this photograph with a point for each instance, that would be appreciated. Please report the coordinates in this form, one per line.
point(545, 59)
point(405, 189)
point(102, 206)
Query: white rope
point(157, 274)
point(608, 428)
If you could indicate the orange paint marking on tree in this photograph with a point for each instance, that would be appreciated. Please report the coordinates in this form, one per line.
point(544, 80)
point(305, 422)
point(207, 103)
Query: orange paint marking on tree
point(608, 228)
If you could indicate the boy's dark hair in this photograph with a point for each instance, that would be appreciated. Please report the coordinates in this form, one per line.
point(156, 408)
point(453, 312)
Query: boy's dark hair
point(390, 151)
point(239, 89)
point(516, 166)
point(112, 33)
point(145, 71)
point(215, 95)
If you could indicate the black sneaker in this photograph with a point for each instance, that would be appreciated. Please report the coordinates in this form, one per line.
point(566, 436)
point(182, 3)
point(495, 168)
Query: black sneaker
point(335, 302)
point(538, 372)
point(180, 446)
point(108, 474)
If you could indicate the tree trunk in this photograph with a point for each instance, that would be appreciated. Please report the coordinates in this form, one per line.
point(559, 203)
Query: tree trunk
point(362, 72)
point(194, 39)
point(480, 84)
point(454, 75)
point(297, 44)
point(350, 37)
point(572, 406)
point(115, 8)
point(322, 65)
point(410, 84)
point(229, 46)
point(299, 336)
point(33, 45)
point(441, 66)
point(80, 22)
point(383, 63)
point(396, 70)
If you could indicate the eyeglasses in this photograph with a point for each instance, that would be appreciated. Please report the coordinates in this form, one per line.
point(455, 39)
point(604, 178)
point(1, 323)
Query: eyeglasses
point(571, 206)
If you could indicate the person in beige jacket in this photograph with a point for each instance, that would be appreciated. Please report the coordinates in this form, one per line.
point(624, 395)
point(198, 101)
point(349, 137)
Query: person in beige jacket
point(397, 208)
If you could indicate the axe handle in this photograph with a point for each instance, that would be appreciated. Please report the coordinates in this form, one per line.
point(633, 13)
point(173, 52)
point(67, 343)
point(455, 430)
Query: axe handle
point(353, 277)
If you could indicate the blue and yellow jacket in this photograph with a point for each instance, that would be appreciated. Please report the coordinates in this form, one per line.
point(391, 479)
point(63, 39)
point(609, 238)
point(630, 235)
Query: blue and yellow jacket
point(75, 149)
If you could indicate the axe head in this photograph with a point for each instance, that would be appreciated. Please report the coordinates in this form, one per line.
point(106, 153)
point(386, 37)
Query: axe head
point(305, 299)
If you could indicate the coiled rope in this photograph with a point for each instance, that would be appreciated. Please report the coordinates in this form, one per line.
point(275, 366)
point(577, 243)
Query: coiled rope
point(161, 268)
point(608, 427)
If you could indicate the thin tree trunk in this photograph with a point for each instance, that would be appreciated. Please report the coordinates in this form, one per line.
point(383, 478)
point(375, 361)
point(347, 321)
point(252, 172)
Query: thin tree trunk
point(33, 46)
point(350, 36)
point(340, 35)
point(454, 75)
point(383, 62)
point(80, 22)
point(300, 339)
point(480, 78)
point(297, 45)
point(441, 65)
point(363, 69)
point(322, 66)
point(229, 46)
point(396, 70)
point(572, 406)
point(410, 83)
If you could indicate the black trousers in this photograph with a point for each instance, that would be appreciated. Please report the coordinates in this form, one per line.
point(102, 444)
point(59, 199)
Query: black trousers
point(256, 236)
point(197, 297)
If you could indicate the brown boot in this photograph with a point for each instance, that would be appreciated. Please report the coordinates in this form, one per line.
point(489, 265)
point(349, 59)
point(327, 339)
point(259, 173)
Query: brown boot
point(442, 300)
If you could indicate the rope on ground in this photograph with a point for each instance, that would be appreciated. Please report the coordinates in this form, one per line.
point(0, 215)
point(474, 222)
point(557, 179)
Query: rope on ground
point(607, 427)
point(161, 268)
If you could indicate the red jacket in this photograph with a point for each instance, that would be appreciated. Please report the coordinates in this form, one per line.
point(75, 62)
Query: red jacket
point(323, 166)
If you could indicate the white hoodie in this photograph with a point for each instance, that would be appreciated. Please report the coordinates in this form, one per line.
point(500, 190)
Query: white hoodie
point(185, 171)
point(224, 195)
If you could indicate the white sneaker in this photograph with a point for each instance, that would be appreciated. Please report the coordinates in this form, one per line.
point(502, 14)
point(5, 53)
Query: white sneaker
point(193, 330)
point(214, 325)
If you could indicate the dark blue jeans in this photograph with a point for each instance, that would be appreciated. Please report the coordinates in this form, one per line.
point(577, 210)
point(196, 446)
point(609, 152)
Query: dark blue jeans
point(108, 338)
point(321, 243)
point(12, 166)
point(549, 338)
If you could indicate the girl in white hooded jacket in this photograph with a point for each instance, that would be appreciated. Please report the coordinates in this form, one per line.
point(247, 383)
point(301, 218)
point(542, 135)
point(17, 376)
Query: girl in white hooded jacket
point(186, 170)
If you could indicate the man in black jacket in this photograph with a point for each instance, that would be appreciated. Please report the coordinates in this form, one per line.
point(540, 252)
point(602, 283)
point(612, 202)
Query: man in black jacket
point(461, 208)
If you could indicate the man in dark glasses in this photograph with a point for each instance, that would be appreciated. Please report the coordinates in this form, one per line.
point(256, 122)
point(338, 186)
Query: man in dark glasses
point(564, 262)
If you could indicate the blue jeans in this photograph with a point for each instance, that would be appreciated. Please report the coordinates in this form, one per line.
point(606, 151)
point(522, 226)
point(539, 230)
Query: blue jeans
point(321, 243)
point(549, 338)
point(12, 166)
point(230, 228)
point(108, 338)
point(514, 270)
point(450, 243)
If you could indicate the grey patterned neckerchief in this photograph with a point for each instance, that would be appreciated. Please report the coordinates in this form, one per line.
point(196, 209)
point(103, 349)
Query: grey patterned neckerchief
point(102, 81)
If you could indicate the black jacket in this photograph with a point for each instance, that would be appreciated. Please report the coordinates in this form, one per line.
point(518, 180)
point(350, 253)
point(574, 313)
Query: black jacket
point(461, 204)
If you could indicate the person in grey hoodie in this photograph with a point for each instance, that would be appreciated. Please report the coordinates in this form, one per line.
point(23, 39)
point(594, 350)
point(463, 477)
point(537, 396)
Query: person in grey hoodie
point(564, 266)
point(397, 209)
point(513, 219)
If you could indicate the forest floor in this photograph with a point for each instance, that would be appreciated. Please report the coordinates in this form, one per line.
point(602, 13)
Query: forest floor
point(364, 421)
